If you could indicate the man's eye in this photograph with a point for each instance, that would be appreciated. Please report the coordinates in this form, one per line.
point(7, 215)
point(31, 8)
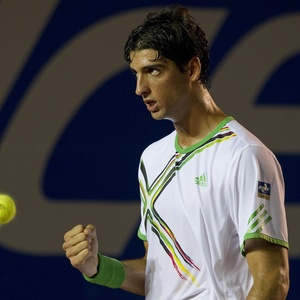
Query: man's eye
point(154, 72)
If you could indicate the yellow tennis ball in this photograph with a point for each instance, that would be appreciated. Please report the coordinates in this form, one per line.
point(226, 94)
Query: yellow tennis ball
point(7, 209)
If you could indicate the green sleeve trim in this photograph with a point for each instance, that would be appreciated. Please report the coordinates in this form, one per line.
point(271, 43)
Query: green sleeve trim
point(142, 236)
point(265, 237)
point(111, 273)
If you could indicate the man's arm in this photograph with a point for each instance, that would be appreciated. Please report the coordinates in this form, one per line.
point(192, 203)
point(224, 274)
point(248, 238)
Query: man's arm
point(135, 274)
point(81, 247)
point(269, 267)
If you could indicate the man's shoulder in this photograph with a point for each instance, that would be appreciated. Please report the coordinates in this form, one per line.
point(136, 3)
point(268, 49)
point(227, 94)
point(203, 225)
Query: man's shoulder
point(167, 143)
point(244, 136)
point(166, 140)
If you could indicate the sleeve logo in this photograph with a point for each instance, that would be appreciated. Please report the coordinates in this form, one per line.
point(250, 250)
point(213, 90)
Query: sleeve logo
point(264, 190)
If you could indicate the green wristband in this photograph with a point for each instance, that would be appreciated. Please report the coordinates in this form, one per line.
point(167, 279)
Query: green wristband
point(111, 273)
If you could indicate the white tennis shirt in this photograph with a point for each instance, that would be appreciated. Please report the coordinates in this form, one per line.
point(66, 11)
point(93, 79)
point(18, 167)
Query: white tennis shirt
point(200, 204)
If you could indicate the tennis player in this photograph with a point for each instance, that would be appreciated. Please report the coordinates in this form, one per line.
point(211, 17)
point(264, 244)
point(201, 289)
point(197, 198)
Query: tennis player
point(213, 219)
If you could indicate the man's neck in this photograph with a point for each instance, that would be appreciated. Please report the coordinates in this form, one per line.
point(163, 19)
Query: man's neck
point(203, 117)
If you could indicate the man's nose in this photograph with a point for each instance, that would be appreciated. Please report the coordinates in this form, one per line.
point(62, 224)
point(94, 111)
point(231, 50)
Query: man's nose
point(141, 86)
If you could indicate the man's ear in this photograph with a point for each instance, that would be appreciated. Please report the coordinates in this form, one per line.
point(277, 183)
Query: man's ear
point(194, 69)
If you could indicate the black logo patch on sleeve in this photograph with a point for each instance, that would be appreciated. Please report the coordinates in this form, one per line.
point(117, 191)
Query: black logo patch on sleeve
point(264, 190)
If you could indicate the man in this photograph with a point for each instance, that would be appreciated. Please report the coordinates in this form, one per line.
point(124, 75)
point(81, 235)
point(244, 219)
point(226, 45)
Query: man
point(212, 195)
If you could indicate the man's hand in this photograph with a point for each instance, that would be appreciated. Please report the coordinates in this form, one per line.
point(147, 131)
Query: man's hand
point(81, 247)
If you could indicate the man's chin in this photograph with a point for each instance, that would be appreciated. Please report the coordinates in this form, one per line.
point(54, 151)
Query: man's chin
point(156, 115)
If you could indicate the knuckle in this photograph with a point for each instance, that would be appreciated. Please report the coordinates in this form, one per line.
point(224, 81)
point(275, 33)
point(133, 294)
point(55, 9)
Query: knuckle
point(64, 246)
point(69, 254)
point(66, 236)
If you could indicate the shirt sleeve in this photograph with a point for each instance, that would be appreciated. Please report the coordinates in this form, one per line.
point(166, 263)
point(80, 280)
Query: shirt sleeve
point(256, 196)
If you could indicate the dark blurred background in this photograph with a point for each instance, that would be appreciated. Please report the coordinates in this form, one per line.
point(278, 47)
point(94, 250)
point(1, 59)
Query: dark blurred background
point(72, 129)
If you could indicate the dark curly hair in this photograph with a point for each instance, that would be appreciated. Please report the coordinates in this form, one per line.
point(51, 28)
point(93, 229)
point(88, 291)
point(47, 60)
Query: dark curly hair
point(175, 35)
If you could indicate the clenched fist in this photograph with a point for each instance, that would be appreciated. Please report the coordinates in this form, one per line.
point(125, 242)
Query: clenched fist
point(81, 247)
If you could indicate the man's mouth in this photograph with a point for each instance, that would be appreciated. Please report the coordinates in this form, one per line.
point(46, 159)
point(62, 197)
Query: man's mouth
point(151, 105)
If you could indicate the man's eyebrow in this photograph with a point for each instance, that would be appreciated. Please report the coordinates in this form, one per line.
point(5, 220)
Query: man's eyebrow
point(150, 66)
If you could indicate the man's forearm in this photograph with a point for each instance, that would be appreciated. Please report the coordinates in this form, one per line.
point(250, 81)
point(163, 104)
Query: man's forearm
point(273, 287)
point(134, 276)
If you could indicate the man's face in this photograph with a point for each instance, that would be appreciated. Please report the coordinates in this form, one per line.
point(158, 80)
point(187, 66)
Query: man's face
point(164, 89)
